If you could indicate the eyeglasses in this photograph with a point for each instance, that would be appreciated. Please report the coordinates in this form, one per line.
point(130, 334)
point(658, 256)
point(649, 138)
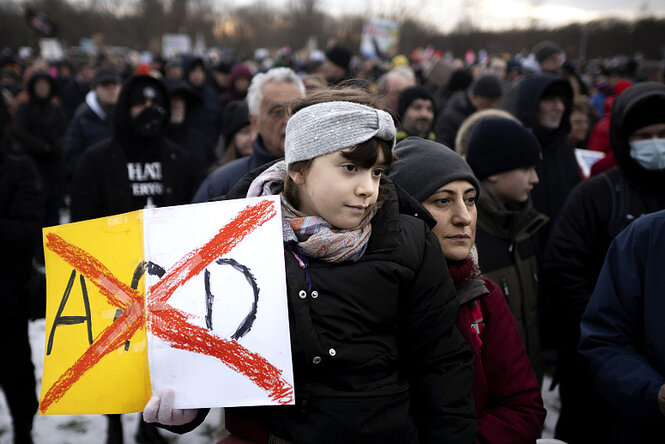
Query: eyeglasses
point(277, 112)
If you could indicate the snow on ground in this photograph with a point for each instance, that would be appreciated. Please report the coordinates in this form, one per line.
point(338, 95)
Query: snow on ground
point(86, 429)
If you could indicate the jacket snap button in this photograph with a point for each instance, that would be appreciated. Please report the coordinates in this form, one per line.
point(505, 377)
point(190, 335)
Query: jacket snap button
point(316, 360)
point(302, 294)
point(332, 352)
point(315, 294)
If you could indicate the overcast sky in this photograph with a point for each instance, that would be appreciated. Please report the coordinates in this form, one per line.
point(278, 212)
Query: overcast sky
point(491, 14)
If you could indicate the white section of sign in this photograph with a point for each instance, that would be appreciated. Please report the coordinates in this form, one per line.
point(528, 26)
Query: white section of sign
point(197, 379)
point(174, 45)
point(51, 49)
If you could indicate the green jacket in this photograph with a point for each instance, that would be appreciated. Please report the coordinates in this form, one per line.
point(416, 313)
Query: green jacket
point(508, 256)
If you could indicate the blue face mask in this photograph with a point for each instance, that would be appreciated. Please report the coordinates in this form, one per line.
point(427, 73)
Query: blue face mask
point(649, 153)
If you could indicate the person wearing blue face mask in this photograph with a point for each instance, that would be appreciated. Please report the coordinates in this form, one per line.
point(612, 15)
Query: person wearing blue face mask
point(594, 213)
point(647, 147)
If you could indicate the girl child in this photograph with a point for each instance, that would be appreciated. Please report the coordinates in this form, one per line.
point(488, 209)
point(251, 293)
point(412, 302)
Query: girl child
point(376, 354)
point(505, 390)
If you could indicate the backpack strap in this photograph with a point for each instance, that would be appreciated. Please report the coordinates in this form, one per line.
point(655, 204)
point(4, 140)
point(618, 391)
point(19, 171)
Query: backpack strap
point(621, 214)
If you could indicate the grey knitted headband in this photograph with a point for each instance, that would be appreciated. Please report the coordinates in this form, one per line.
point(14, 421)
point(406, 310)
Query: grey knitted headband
point(331, 126)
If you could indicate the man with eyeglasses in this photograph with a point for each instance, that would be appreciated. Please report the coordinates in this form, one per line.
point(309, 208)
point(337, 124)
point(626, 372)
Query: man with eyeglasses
point(268, 97)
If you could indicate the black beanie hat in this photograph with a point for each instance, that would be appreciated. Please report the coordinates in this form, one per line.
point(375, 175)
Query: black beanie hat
point(236, 117)
point(648, 111)
point(545, 49)
point(487, 85)
point(408, 95)
point(145, 89)
point(460, 80)
point(423, 166)
point(340, 56)
point(498, 144)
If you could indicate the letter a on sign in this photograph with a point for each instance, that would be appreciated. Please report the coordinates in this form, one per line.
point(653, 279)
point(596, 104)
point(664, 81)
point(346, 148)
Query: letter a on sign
point(190, 297)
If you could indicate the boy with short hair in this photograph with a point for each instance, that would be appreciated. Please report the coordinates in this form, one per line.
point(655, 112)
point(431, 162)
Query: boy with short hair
point(503, 155)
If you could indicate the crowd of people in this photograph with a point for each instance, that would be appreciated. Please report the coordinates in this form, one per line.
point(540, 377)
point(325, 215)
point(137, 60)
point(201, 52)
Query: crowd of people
point(438, 208)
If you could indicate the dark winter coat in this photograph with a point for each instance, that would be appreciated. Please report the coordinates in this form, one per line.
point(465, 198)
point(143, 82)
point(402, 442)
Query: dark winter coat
point(196, 144)
point(101, 185)
point(72, 94)
point(623, 334)
point(40, 129)
point(508, 255)
point(505, 389)
point(186, 135)
point(595, 212)
point(447, 123)
point(587, 224)
point(89, 126)
point(21, 216)
point(401, 372)
point(205, 108)
point(220, 181)
point(558, 172)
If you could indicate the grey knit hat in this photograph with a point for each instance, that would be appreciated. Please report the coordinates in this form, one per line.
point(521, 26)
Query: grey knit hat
point(331, 126)
point(424, 166)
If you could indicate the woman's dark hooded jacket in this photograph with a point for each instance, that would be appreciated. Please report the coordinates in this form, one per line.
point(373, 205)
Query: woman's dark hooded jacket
point(204, 109)
point(41, 123)
point(558, 172)
point(40, 129)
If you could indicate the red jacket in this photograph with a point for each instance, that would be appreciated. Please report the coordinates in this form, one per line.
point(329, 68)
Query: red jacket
point(507, 395)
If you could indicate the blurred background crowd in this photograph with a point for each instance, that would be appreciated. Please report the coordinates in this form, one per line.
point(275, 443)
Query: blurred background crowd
point(158, 118)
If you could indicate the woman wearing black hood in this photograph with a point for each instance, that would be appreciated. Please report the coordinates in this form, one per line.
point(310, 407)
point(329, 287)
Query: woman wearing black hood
point(40, 128)
point(544, 103)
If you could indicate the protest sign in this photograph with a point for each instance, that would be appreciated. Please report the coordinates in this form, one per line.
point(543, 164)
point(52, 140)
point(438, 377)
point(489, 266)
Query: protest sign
point(190, 297)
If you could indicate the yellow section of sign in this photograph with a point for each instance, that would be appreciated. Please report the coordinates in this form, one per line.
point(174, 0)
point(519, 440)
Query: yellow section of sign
point(83, 372)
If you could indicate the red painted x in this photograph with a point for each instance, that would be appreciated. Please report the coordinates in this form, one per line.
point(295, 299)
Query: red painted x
point(164, 321)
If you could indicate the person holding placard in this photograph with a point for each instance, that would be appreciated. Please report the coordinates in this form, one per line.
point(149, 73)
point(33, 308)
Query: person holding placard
point(376, 353)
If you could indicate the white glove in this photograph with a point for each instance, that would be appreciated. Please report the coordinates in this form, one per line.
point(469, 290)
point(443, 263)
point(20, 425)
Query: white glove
point(160, 409)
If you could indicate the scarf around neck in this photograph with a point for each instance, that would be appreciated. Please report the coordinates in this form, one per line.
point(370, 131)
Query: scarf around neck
point(462, 271)
point(313, 234)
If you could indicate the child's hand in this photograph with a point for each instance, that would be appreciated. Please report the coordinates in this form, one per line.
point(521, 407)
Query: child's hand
point(160, 409)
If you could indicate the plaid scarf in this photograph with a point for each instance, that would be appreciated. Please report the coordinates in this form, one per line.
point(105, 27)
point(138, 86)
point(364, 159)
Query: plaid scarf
point(314, 235)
